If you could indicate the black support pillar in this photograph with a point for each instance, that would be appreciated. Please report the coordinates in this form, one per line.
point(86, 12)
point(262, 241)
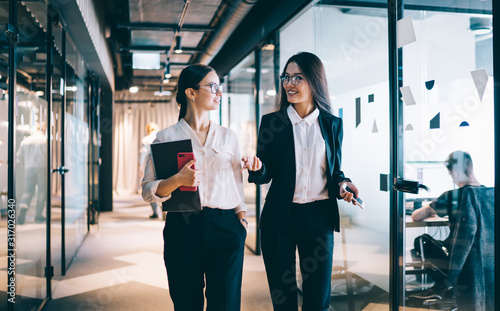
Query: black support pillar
point(106, 151)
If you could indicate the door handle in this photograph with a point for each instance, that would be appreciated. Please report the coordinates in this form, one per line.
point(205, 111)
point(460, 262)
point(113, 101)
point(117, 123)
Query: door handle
point(60, 170)
point(410, 186)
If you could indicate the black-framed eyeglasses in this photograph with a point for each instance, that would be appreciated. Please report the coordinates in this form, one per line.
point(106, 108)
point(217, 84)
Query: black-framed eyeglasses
point(294, 80)
point(214, 87)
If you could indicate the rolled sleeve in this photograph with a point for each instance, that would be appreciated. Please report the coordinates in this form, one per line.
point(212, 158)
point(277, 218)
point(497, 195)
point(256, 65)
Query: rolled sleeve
point(149, 192)
point(150, 184)
point(238, 176)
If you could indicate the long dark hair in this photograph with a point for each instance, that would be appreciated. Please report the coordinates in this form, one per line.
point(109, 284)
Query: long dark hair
point(315, 75)
point(190, 77)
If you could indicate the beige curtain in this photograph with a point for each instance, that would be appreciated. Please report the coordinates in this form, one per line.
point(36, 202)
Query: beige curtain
point(130, 122)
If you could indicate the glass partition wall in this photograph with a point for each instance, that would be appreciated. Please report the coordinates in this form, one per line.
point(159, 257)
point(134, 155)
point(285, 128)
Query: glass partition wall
point(352, 43)
point(241, 102)
point(449, 146)
point(31, 166)
point(446, 103)
point(40, 117)
point(249, 93)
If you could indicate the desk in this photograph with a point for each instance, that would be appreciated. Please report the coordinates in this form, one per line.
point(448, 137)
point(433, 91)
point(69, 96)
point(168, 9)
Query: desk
point(434, 221)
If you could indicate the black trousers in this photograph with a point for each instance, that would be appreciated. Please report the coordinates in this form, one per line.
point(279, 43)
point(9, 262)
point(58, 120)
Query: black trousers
point(201, 247)
point(307, 229)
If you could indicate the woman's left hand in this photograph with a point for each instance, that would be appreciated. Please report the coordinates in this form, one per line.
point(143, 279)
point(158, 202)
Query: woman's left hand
point(348, 196)
point(251, 163)
point(244, 223)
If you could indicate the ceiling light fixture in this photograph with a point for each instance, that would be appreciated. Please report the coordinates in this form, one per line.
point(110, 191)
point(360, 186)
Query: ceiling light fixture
point(162, 92)
point(133, 89)
point(167, 69)
point(178, 46)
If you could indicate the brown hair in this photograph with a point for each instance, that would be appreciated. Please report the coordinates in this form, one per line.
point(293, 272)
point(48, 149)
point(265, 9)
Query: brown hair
point(315, 75)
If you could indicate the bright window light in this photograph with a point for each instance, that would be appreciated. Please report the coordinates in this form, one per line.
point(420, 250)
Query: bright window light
point(163, 93)
point(146, 61)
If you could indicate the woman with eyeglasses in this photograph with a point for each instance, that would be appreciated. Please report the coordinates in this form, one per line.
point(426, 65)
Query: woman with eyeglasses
point(299, 150)
point(203, 248)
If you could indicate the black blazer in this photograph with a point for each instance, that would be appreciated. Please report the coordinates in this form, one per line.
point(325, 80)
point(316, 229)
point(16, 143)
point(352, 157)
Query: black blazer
point(275, 148)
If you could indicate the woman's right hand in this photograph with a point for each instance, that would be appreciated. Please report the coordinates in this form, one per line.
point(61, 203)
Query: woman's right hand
point(189, 177)
point(251, 163)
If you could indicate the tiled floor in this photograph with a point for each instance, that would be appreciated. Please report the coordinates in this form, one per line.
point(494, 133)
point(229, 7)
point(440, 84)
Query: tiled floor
point(120, 267)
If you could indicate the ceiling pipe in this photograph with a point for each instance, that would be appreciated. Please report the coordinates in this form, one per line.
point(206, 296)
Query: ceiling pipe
point(232, 17)
point(181, 22)
point(163, 27)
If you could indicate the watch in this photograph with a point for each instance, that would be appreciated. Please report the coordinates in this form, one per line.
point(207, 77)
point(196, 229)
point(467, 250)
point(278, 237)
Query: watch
point(243, 219)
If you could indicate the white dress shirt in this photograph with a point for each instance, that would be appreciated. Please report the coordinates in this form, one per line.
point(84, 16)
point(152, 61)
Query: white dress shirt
point(221, 182)
point(33, 151)
point(310, 158)
point(146, 148)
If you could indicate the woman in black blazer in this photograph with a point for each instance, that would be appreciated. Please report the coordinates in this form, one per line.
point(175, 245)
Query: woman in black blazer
point(299, 149)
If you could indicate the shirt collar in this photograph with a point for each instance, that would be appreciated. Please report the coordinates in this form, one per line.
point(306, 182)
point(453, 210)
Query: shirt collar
point(190, 132)
point(295, 118)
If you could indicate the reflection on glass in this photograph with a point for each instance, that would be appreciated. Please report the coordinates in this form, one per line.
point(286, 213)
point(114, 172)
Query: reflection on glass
point(76, 153)
point(31, 195)
point(32, 156)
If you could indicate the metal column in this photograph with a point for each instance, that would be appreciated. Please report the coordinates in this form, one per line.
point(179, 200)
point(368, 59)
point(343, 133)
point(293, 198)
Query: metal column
point(396, 285)
point(13, 37)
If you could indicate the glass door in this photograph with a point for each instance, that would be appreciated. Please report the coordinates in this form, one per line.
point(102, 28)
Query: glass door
point(70, 151)
point(31, 154)
point(352, 42)
point(76, 140)
point(448, 147)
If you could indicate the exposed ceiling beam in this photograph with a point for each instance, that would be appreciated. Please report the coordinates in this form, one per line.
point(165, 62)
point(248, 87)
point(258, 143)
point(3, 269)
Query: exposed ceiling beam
point(155, 77)
point(157, 48)
point(164, 27)
point(141, 101)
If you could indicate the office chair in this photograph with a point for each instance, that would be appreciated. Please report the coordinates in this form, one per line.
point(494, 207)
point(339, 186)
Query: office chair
point(434, 258)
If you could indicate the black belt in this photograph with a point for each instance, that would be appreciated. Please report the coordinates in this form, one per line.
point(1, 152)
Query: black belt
point(207, 209)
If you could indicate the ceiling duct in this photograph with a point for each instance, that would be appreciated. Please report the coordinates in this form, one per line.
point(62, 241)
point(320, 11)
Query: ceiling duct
point(232, 17)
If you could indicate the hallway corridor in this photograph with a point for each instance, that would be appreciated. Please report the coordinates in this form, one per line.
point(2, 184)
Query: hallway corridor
point(120, 267)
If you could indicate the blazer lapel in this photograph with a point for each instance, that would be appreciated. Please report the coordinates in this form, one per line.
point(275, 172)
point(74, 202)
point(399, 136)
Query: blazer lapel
point(285, 150)
point(327, 136)
point(288, 148)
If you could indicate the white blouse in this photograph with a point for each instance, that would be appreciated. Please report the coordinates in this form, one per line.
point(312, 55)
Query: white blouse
point(221, 182)
point(310, 158)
